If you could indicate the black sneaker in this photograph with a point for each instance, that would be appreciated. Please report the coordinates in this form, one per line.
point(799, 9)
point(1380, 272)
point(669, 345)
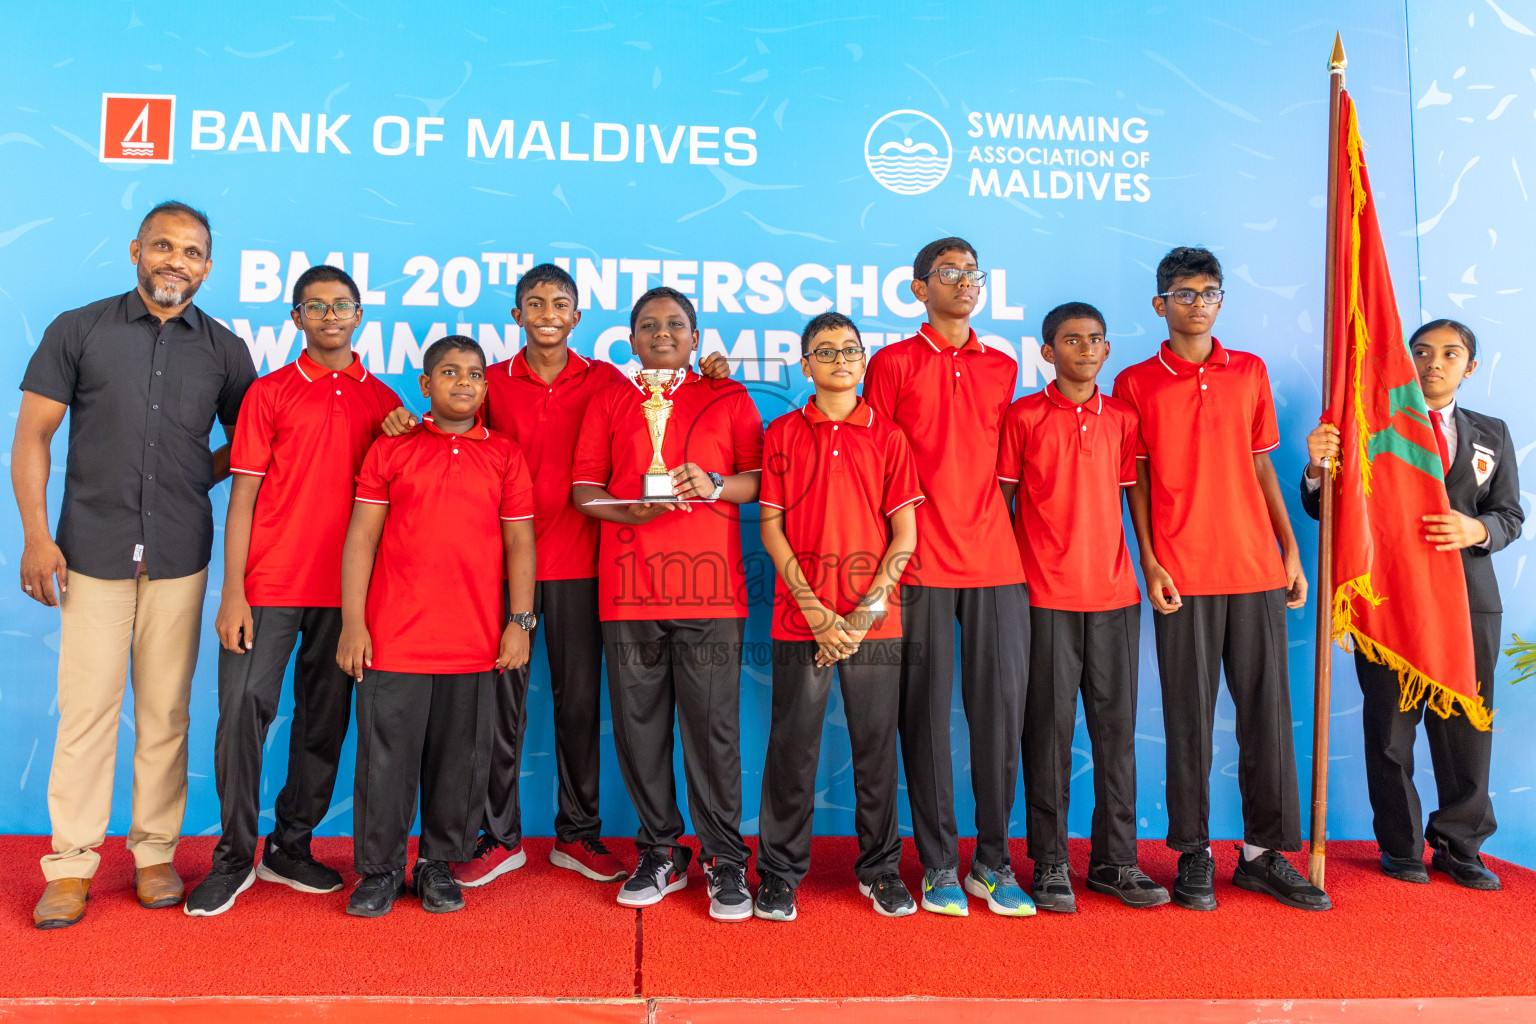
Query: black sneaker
point(216, 893)
point(662, 869)
point(890, 896)
point(433, 882)
point(1195, 888)
point(375, 894)
point(306, 875)
point(1126, 883)
point(1052, 889)
point(1469, 874)
point(1405, 869)
point(1271, 874)
point(775, 900)
point(729, 899)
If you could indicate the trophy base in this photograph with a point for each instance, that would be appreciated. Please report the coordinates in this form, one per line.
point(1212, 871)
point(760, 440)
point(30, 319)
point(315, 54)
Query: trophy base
point(658, 487)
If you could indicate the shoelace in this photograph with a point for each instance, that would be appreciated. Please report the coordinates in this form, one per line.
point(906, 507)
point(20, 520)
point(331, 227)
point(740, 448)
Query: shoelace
point(946, 877)
point(729, 876)
point(484, 845)
point(774, 887)
point(1283, 868)
point(1201, 870)
point(594, 847)
point(434, 874)
point(888, 883)
point(1054, 874)
point(1137, 877)
point(1004, 876)
point(653, 864)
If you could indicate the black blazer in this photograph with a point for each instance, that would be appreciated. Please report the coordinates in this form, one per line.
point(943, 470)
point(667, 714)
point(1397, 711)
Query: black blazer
point(1495, 502)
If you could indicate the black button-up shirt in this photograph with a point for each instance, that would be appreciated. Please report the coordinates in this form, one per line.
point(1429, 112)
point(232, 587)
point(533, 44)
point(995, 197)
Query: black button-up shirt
point(142, 399)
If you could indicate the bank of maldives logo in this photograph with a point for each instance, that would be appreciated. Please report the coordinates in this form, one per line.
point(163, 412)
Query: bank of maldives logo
point(908, 152)
point(136, 129)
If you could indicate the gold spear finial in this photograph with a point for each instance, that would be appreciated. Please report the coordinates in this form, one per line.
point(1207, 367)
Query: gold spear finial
point(1338, 62)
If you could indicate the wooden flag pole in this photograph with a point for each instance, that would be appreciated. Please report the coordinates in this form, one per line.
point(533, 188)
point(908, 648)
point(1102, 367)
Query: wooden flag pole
point(1322, 690)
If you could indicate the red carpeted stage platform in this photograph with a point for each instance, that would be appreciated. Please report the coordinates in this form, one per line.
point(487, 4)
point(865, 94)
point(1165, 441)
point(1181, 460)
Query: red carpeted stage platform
point(545, 944)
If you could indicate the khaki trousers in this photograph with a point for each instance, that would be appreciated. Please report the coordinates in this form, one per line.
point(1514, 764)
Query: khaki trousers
point(106, 627)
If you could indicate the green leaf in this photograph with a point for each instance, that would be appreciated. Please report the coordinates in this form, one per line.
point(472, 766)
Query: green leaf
point(1524, 653)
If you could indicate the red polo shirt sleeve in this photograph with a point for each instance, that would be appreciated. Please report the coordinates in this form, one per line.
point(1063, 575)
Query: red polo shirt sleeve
point(1266, 433)
point(1010, 447)
point(880, 386)
point(902, 486)
point(1126, 392)
point(746, 434)
point(593, 461)
point(517, 489)
point(373, 479)
point(775, 463)
point(251, 451)
point(1129, 445)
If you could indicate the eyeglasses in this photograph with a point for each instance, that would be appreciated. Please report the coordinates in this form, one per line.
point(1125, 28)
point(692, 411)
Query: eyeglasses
point(1186, 296)
point(952, 275)
point(316, 310)
point(852, 354)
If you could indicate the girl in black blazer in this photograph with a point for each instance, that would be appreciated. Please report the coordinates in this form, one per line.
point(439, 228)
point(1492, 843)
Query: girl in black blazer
point(1482, 483)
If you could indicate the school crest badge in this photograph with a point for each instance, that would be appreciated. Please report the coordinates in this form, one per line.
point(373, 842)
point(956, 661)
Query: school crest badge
point(1483, 461)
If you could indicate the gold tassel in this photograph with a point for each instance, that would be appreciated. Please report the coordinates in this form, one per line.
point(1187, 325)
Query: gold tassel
point(1416, 686)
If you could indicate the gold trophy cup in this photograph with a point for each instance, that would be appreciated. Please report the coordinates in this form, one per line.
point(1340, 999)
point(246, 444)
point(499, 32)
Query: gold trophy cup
point(658, 410)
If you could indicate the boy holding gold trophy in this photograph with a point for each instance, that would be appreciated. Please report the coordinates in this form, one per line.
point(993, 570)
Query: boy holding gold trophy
point(672, 593)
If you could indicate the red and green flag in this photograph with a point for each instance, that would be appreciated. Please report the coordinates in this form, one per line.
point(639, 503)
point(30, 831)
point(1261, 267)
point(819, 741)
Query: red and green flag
point(1397, 600)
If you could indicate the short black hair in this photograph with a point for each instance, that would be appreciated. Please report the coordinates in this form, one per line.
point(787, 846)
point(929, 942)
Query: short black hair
point(1186, 261)
point(545, 273)
point(663, 292)
point(829, 321)
point(179, 209)
point(1064, 312)
point(439, 349)
point(922, 266)
point(1467, 337)
point(324, 272)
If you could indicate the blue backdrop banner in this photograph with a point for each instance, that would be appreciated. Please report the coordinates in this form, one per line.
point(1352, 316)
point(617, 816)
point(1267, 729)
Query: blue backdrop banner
point(773, 161)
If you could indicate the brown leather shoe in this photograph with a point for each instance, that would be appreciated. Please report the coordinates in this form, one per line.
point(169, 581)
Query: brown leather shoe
point(63, 903)
point(158, 886)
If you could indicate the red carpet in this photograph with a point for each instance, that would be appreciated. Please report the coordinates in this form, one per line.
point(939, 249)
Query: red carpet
point(546, 932)
point(540, 931)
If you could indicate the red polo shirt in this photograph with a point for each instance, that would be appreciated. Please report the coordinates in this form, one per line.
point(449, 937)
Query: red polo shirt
point(435, 599)
point(1201, 425)
point(949, 403)
point(304, 429)
point(1070, 462)
point(681, 565)
point(839, 483)
point(544, 420)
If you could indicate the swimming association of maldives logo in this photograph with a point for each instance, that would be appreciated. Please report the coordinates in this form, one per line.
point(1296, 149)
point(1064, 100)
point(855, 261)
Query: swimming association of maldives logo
point(137, 129)
point(908, 152)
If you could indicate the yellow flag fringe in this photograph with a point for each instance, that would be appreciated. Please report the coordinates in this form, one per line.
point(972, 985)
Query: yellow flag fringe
point(1416, 686)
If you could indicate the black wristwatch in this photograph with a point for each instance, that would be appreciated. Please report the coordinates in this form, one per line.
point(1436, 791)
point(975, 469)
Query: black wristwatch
point(718, 481)
point(525, 619)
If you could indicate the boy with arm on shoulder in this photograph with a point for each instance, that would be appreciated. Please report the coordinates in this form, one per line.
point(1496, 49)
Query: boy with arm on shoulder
point(422, 629)
point(1221, 567)
point(1482, 482)
point(839, 521)
point(1067, 452)
point(672, 596)
point(539, 398)
point(302, 435)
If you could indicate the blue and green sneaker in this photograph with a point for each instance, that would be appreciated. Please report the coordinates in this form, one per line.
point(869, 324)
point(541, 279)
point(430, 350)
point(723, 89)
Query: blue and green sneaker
point(1000, 889)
